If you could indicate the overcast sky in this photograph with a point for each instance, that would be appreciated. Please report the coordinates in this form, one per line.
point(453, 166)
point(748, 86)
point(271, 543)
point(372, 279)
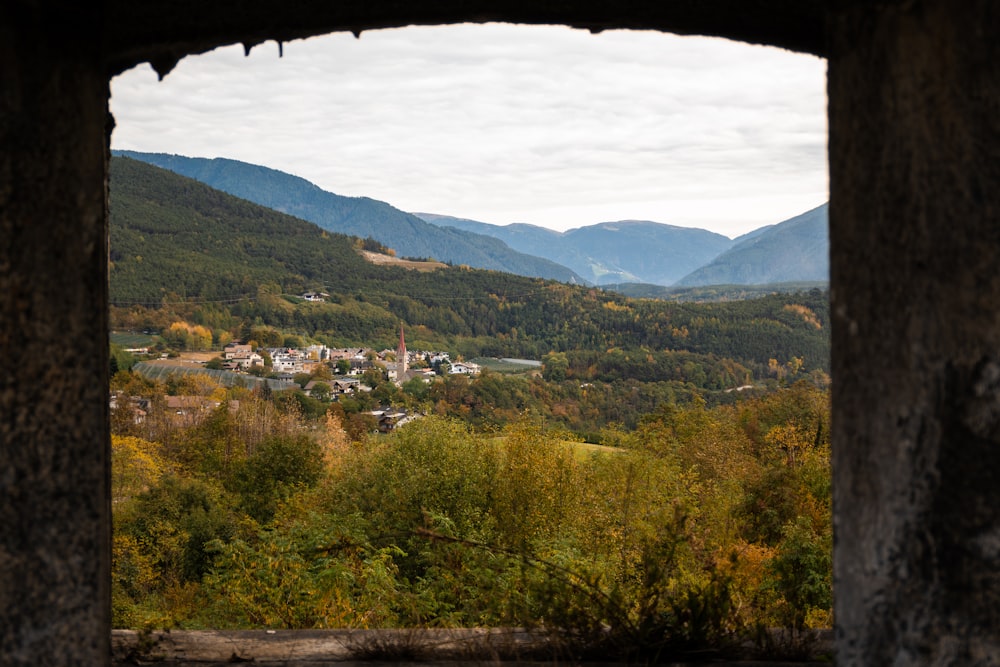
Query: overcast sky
point(498, 123)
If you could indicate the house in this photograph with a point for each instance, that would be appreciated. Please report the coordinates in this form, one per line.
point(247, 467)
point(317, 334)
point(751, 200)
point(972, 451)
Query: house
point(437, 357)
point(344, 386)
point(287, 360)
point(233, 350)
point(240, 357)
point(311, 385)
point(347, 353)
point(188, 410)
point(425, 374)
point(464, 368)
point(136, 407)
point(394, 371)
point(359, 366)
point(318, 352)
point(246, 362)
point(391, 418)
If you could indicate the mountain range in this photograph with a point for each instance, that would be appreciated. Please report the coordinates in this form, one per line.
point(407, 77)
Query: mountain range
point(797, 249)
point(608, 253)
point(363, 217)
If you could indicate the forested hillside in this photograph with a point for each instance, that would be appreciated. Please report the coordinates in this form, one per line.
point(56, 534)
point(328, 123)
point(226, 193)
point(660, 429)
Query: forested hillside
point(177, 241)
point(795, 250)
point(713, 293)
point(358, 216)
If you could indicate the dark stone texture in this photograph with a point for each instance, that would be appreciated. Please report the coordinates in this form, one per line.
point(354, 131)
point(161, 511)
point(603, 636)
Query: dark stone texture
point(915, 162)
point(143, 31)
point(54, 445)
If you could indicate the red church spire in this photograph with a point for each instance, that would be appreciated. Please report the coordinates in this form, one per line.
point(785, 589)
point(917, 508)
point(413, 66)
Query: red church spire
point(401, 351)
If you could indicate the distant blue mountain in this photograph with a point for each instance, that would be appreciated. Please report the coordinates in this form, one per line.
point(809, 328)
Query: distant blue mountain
point(795, 250)
point(407, 234)
point(609, 252)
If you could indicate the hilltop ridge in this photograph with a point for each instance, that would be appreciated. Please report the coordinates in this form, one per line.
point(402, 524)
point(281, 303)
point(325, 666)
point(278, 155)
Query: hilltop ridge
point(607, 253)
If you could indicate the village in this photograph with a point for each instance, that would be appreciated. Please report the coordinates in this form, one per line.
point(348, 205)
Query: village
point(321, 372)
point(398, 366)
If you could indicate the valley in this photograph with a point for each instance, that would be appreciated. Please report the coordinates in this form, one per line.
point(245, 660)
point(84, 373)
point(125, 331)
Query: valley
point(336, 458)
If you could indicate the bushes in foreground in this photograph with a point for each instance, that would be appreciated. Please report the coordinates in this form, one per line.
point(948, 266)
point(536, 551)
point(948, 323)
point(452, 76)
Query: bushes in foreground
point(704, 525)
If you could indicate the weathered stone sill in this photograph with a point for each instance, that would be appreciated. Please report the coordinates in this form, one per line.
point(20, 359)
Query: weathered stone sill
point(374, 648)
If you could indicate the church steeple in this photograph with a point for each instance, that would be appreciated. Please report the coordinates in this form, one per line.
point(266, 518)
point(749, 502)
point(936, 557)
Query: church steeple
point(401, 352)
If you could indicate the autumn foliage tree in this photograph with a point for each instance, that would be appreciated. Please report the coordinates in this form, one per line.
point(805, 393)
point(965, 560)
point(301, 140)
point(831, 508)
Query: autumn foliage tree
point(698, 526)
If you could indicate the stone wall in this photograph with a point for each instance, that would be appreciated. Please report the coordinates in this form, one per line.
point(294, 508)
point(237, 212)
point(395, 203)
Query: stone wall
point(915, 229)
point(54, 443)
point(914, 160)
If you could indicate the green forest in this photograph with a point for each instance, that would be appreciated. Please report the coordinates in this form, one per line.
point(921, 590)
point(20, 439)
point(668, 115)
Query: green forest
point(659, 487)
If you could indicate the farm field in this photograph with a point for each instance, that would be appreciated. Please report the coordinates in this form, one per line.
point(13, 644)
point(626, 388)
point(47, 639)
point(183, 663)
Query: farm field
point(132, 339)
point(507, 365)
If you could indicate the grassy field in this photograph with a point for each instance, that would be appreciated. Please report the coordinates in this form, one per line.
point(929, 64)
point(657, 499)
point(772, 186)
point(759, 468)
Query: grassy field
point(504, 365)
point(412, 264)
point(586, 448)
point(581, 450)
point(132, 339)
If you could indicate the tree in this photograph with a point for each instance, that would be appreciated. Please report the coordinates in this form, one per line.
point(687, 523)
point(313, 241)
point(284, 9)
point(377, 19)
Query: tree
point(373, 377)
point(173, 521)
point(136, 465)
point(554, 366)
point(321, 391)
point(267, 336)
point(416, 388)
point(279, 466)
point(184, 336)
point(120, 359)
point(322, 372)
point(802, 570)
point(263, 391)
point(358, 425)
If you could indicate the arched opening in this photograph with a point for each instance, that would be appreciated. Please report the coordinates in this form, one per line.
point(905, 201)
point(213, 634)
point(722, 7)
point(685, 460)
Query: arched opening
point(912, 145)
point(639, 129)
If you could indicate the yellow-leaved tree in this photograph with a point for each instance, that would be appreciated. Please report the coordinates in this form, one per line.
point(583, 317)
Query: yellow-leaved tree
point(136, 466)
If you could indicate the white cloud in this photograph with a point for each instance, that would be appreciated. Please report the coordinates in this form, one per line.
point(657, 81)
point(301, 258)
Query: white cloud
point(508, 123)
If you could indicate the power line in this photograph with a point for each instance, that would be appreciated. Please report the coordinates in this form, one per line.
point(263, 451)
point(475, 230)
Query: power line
point(192, 300)
point(253, 297)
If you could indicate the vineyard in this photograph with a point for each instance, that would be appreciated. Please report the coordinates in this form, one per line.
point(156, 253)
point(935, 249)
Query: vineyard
point(160, 371)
